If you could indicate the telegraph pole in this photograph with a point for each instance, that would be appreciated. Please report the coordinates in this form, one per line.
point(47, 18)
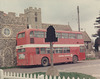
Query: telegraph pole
point(78, 18)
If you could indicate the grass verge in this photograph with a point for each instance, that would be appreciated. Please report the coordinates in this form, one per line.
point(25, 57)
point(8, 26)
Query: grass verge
point(90, 58)
point(8, 67)
point(69, 74)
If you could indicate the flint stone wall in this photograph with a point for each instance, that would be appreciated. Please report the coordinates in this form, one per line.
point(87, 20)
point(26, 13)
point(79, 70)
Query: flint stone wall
point(7, 52)
point(8, 44)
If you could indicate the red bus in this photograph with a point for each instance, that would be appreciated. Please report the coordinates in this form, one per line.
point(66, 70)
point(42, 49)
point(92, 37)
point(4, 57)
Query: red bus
point(33, 50)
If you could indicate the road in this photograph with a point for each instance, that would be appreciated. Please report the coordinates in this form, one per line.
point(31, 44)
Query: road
point(90, 67)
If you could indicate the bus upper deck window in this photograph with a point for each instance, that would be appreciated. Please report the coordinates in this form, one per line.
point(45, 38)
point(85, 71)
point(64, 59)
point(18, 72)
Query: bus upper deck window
point(64, 35)
point(21, 35)
point(79, 36)
point(31, 37)
point(31, 34)
point(72, 36)
point(39, 34)
point(58, 35)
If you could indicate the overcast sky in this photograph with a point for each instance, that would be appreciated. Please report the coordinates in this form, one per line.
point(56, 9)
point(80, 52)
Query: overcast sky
point(59, 11)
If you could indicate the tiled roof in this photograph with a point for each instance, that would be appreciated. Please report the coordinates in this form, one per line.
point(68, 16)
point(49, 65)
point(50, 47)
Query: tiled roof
point(86, 36)
point(57, 26)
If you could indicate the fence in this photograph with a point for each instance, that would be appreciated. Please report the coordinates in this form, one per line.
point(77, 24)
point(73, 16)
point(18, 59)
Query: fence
point(7, 75)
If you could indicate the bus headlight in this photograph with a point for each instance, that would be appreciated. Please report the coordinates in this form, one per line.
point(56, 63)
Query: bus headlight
point(21, 56)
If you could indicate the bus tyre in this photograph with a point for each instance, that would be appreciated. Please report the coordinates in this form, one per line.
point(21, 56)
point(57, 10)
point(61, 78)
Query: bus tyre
point(45, 61)
point(75, 59)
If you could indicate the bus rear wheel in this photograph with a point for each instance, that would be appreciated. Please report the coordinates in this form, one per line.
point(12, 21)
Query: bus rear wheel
point(45, 61)
point(75, 59)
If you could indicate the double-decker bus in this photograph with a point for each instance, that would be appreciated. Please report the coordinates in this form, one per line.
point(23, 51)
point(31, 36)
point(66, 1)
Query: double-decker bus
point(33, 50)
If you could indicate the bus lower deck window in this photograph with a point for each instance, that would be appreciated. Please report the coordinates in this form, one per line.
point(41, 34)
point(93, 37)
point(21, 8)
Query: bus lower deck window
point(37, 51)
point(58, 50)
point(42, 50)
point(82, 49)
point(66, 50)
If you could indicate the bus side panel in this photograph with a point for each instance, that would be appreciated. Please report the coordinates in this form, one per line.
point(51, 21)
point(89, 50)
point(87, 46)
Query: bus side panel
point(62, 57)
point(21, 62)
point(74, 51)
point(72, 41)
point(38, 58)
point(62, 41)
point(39, 40)
point(20, 41)
point(29, 56)
point(57, 57)
point(82, 56)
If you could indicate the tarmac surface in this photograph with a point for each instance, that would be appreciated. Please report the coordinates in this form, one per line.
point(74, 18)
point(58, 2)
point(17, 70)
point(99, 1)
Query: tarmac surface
point(90, 67)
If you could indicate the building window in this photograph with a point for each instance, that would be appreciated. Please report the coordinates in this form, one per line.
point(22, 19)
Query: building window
point(6, 32)
point(35, 13)
point(35, 19)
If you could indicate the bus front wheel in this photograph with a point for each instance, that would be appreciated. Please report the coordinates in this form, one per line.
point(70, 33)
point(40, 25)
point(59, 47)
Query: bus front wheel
point(75, 59)
point(45, 61)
